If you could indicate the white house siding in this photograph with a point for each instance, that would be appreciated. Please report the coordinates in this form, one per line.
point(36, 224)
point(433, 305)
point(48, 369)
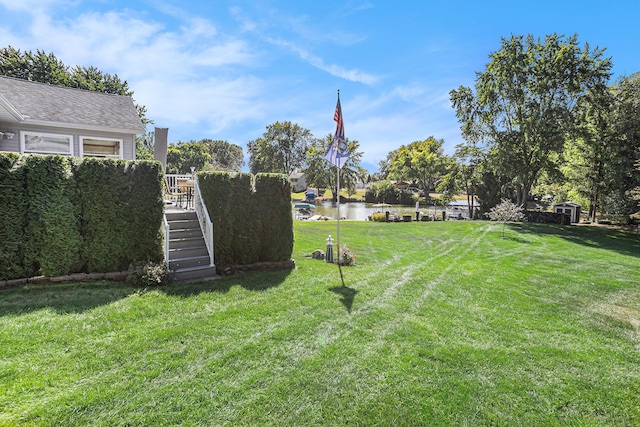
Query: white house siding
point(13, 145)
point(49, 109)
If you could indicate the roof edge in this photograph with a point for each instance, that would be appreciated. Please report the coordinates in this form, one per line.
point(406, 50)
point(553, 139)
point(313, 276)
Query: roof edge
point(11, 109)
point(137, 131)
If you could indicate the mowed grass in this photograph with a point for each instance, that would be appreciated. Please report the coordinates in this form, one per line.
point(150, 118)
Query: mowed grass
point(442, 323)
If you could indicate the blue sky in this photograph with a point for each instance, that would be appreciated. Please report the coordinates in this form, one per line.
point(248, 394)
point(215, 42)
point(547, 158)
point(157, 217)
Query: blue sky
point(225, 69)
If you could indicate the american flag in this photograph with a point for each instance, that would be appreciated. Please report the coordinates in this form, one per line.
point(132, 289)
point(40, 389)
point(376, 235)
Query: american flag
point(338, 152)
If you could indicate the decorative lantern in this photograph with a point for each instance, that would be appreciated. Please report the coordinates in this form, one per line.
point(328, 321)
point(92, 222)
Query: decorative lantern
point(328, 257)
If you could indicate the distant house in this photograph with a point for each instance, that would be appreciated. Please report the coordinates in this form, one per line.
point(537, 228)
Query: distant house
point(298, 182)
point(400, 185)
point(569, 208)
point(47, 119)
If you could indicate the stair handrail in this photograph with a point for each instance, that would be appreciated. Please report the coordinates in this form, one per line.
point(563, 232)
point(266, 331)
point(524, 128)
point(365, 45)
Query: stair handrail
point(165, 229)
point(203, 218)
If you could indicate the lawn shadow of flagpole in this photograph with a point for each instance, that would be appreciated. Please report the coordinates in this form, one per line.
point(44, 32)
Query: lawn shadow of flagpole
point(347, 294)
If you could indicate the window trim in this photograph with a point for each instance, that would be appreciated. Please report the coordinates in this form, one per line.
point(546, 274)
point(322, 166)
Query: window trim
point(23, 142)
point(120, 154)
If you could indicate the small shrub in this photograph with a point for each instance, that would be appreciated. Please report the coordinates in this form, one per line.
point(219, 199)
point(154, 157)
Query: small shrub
point(149, 274)
point(506, 211)
point(347, 256)
point(379, 217)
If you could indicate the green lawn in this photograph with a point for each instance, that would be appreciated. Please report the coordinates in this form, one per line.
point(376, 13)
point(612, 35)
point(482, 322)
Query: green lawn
point(441, 323)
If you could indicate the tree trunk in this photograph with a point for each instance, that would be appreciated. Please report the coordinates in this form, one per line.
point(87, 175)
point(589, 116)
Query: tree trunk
point(593, 203)
point(523, 195)
point(334, 194)
point(470, 200)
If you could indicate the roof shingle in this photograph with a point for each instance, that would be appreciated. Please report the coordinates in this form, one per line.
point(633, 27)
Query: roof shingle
point(57, 104)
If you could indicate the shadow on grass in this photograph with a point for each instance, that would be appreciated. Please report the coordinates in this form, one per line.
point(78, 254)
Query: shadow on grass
point(77, 297)
point(516, 239)
point(72, 297)
point(347, 295)
point(623, 242)
point(251, 281)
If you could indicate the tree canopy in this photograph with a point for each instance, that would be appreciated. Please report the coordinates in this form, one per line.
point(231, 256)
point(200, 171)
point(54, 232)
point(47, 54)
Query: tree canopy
point(281, 149)
point(421, 161)
point(524, 103)
point(322, 174)
point(224, 155)
point(46, 68)
point(202, 155)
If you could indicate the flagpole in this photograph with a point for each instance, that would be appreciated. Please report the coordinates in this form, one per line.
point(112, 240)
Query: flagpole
point(337, 155)
point(338, 201)
point(338, 198)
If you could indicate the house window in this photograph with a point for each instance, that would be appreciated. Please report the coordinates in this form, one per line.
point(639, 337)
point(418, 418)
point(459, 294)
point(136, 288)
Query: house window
point(100, 147)
point(46, 143)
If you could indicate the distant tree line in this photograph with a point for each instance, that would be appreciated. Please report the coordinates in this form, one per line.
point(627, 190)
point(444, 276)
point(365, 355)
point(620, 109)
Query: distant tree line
point(286, 147)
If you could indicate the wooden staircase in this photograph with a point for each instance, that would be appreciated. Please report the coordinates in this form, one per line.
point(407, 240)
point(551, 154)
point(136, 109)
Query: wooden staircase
point(188, 255)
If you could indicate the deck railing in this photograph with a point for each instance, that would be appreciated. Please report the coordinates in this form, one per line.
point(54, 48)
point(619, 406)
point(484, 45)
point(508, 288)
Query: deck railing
point(173, 178)
point(165, 229)
point(205, 221)
point(201, 211)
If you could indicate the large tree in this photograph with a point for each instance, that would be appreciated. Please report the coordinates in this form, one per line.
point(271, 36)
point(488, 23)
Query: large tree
point(625, 176)
point(600, 156)
point(524, 102)
point(421, 161)
point(281, 149)
point(588, 151)
point(322, 174)
point(224, 155)
point(183, 156)
point(205, 154)
point(466, 174)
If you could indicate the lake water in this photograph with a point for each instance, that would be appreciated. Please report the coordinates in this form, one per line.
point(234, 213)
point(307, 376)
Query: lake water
point(361, 211)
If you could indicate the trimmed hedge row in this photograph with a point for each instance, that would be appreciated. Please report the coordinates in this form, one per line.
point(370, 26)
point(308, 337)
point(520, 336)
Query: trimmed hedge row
point(547, 217)
point(251, 216)
point(12, 217)
point(63, 215)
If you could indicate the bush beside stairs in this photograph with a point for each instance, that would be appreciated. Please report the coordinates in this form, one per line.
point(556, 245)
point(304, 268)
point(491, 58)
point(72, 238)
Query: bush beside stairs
point(188, 255)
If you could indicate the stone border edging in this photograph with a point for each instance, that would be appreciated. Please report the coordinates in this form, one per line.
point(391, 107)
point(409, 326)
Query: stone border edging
point(121, 276)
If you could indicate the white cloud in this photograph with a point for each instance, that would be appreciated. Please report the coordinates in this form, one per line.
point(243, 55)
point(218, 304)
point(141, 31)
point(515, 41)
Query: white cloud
point(220, 102)
point(31, 6)
point(335, 70)
point(203, 81)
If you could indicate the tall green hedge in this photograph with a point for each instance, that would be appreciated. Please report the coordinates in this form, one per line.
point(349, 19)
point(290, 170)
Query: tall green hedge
point(52, 241)
point(145, 208)
point(121, 204)
point(251, 216)
point(64, 215)
point(244, 212)
point(215, 189)
point(273, 195)
point(12, 218)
